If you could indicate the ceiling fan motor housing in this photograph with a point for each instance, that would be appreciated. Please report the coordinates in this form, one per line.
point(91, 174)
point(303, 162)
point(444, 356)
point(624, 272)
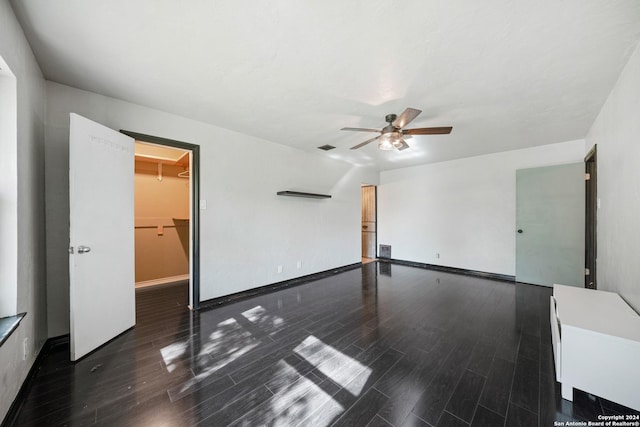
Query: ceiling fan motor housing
point(389, 129)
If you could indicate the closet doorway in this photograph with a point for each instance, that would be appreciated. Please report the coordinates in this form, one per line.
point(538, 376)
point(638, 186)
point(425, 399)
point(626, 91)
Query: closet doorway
point(369, 231)
point(166, 215)
point(591, 218)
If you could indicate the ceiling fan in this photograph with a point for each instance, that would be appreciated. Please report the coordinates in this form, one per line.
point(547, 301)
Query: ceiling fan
point(392, 134)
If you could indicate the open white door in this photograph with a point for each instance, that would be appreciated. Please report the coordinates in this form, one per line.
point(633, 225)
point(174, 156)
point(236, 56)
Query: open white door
point(101, 259)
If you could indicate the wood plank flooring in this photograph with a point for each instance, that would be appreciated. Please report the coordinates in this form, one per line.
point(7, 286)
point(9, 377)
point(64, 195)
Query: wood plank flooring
point(385, 345)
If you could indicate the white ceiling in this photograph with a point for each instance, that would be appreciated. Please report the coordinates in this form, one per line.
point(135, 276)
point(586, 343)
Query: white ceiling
point(505, 74)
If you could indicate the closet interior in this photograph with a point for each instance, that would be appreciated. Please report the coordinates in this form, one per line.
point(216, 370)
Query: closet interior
point(162, 214)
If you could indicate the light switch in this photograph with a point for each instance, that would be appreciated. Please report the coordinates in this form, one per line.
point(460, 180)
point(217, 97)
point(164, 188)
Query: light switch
point(203, 204)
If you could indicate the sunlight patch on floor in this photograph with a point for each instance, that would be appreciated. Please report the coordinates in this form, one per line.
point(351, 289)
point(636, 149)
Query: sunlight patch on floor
point(295, 403)
point(295, 399)
point(267, 322)
point(228, 338)
point(172, 352)
point(336, 365)
point(228, 342)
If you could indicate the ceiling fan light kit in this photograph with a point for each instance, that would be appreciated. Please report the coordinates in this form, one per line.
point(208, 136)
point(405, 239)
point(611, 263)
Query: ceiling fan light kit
point(392, 136)
point(390, 141)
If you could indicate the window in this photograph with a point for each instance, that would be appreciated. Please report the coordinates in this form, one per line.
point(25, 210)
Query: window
point(8, 192)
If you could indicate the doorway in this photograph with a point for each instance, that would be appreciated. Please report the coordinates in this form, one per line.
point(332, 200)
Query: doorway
point(162, 217)
point(101, 249)
point(591, 218)
point(167, 214)
point(369, 231)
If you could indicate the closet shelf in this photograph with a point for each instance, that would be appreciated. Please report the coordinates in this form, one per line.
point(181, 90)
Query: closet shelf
point(302, 194)
point(183, 160)
point(154, 222)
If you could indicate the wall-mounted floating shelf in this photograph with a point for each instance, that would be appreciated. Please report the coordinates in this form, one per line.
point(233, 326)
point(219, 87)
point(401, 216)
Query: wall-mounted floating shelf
point(301, 194)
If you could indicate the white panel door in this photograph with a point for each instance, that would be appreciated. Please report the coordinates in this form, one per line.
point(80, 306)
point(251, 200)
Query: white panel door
point(101, 259)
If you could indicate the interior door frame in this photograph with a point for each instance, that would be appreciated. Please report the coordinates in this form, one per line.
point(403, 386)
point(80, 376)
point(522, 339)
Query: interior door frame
point(375, 208)
point(591, 218)
point(194, 172)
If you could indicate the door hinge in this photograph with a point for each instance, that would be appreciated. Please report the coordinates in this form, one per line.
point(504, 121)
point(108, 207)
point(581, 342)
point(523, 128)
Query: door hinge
point(587, 176)
point(587, 272)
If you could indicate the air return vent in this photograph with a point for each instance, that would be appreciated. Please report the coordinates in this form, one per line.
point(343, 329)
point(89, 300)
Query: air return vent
point(384, 251)
point(326, 147)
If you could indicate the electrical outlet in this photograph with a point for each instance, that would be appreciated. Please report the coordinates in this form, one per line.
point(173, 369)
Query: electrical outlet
point(299, 264)
point(25, 348)
point(279, 269)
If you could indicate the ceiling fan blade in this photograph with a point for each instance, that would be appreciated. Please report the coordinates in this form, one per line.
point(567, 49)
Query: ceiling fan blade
point(428, 131)
point(362, 129)
point(362, 144)
point(406, 117)
point(404, 146)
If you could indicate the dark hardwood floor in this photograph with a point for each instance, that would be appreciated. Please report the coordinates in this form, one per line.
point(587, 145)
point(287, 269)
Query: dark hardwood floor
point(378, 346)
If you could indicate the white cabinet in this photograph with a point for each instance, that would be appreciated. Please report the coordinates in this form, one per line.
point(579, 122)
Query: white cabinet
point(596, 344)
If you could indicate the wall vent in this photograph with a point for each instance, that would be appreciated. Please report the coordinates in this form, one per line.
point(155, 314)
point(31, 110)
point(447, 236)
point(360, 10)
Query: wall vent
point(326, 147)
point(384, 251)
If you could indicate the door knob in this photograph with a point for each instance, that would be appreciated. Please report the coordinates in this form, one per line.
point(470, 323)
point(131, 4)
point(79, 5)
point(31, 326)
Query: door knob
point(520, 231)
point(83, 249)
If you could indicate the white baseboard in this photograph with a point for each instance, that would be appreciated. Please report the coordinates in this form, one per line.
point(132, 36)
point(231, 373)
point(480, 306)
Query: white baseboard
point(162, 281)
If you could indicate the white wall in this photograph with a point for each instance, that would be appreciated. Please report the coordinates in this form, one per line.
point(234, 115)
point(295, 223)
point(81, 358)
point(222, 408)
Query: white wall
point(616, 131)
point(464, 209)
point(246, 230)
point(25, 198)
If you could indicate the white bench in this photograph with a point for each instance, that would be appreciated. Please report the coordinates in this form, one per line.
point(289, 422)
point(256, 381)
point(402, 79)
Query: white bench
point(596, 344)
